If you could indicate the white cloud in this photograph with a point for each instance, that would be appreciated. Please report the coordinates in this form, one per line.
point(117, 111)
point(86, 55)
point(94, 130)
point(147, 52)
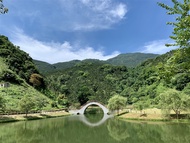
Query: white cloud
point(157, 47)
point(56, 52)
point(119, 11)
point(87, 14)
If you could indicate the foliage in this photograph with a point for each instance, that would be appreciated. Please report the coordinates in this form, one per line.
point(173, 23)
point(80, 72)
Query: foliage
point(14, 93)
point(40, 102)
point(181, 32)
point(36, 80)
point(141, 105)
point(3, 9)
point(174, 100)
point(17, 61)
point(26, 104)
point(86, 81)
point(117, 102)
point(2, 104)
point(62, 100)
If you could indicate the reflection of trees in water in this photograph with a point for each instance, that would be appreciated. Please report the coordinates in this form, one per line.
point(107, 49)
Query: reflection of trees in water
point(176, 133)
point(123, 131)
point(70, 130)
point(117, 129)
point(31, 132)
point(93, 118)
point(146, 133)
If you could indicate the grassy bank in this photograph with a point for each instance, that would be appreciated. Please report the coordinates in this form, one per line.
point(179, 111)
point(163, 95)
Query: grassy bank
point(37, 116)
point(150, 115)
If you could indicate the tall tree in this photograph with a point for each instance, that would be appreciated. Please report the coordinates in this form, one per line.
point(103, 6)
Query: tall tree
point(174, 100)
point(117, 102)
point(26, 104)
point(36, 80)
point(3, 9)
point(181, 32)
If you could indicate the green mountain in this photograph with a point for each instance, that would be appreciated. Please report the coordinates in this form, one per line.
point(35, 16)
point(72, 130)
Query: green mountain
point(44, 67)
point(131, 59)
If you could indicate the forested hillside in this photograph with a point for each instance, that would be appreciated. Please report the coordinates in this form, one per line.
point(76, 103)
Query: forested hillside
point(143, 84)
point(19, 80)
point(17, 65)
point(87, 81)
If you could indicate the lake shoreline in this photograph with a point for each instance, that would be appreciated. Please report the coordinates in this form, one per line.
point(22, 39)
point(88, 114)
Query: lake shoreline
point(35, 116)
point(139, 117)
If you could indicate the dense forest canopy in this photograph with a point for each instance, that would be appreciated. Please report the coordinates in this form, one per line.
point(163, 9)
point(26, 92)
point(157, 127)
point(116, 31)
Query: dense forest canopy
point(19, 64)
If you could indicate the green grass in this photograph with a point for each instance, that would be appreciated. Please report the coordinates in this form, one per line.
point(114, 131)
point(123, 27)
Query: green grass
point(14, 94)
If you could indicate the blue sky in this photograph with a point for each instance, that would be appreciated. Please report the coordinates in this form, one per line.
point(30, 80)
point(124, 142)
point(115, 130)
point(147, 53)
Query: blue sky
point(65, 30)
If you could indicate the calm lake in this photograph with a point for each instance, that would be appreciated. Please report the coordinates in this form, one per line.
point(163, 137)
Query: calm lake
point(90, 129)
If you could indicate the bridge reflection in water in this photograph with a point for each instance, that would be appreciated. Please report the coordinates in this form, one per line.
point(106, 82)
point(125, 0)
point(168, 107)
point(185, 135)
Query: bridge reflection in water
point(85, 120)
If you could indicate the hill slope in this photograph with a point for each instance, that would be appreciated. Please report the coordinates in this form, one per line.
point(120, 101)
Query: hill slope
point(16, 68)
point(131, 59)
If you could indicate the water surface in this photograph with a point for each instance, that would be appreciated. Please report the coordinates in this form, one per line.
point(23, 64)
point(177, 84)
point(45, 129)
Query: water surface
point(74, 130)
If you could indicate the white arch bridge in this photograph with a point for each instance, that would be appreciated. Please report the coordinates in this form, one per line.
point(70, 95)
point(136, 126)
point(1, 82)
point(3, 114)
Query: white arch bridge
point(83, 108)
point(85, 120)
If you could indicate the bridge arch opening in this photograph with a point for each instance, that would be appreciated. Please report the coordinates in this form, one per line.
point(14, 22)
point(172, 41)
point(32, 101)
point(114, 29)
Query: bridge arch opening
point(93, 109)
point(82, 110)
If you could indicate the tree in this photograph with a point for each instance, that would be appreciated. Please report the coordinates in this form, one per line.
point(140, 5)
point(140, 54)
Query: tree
point(3, 9)
point(36, 80)
point(117, 102)
point(26, 104)
point(62, 100)
point(2, 104)
point(181, 32)
point(174, 100)
point(141, 105)
point(40, 102)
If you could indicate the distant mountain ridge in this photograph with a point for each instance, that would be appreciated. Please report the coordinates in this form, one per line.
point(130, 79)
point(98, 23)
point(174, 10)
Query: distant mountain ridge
point(128, 60)
point(131, 59)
